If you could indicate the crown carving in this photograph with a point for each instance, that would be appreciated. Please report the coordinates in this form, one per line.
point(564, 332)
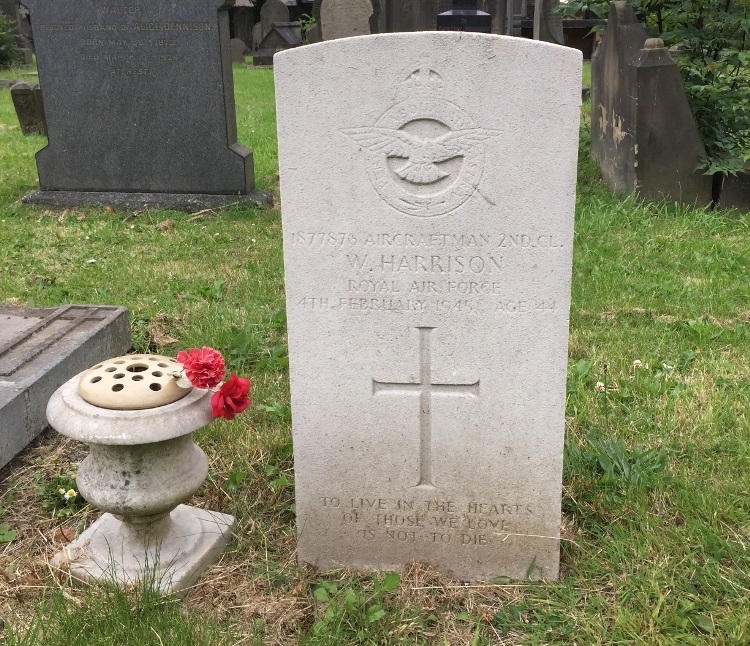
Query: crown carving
point(424, 82)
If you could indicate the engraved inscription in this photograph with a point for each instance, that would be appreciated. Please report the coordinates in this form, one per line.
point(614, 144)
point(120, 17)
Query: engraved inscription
point(436, 272)
point(469, 523)
point(426, 388)
point(124, 41)
point(425, 155)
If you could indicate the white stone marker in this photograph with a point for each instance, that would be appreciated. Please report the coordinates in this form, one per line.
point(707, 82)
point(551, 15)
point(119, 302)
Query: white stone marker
point(428, 193)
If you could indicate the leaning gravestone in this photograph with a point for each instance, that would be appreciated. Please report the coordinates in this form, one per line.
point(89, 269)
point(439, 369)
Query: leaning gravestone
point(139, 104)
point(428, 266)
point(40, 349)
point(27, 100)
point(345, 18)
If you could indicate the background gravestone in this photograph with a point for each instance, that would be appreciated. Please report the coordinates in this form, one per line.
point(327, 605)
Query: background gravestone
point(271, 12)
point(237, 47)
point(345, 18)
point(643, 133)
point(257, 31)
point(427, 269)
point(421, 15)
point(19, 20)
point(139, 100)
point(243, 20)
point(312, 34)
point(465, 17)
point(40, 349)
point(27, 101)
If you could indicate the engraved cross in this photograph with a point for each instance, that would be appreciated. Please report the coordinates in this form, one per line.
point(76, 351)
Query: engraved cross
point(426, 389)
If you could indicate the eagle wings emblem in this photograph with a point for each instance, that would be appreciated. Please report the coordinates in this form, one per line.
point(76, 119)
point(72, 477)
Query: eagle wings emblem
point(421, 155)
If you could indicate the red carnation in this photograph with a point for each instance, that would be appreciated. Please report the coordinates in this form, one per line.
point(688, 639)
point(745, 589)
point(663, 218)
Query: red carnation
point(232, 398)
point(203, 368)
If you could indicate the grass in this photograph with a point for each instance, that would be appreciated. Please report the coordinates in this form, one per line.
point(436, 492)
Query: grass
point(656, 492)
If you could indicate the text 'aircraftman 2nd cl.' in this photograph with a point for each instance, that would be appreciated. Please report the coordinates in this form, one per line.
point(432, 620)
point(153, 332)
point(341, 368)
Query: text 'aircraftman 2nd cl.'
point(425, 155)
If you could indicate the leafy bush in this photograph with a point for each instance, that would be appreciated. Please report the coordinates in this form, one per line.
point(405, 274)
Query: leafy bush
point(9, 54)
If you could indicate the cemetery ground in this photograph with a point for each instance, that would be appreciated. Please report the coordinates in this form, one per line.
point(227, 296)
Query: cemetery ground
point(656, 506)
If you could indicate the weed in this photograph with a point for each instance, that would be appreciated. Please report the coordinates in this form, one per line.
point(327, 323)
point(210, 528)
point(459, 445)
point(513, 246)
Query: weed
point(59, 495)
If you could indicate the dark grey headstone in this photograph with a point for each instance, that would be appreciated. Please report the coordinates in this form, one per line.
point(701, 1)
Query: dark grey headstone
point(27, 100)
point(40, 349)
point(243, 21)
point(138, 98)
point(421, 15)
point(465, 20)
point(272, 11)
point(643, 133)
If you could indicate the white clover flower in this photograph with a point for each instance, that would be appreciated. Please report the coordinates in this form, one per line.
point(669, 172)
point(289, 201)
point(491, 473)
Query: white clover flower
point(599, 387)
point(70, 494)
point(667, 367)
point(637, 364)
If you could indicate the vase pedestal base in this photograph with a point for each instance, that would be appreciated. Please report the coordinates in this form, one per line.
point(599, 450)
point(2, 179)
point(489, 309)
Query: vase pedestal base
point(170, 555)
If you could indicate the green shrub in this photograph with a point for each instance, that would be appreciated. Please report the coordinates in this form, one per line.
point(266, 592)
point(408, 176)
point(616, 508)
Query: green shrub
point(9, 54)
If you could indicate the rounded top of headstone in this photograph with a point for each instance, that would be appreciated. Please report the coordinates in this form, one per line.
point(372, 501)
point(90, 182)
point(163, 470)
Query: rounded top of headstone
point(132, 382)
point(653, 43)
point(20, 85)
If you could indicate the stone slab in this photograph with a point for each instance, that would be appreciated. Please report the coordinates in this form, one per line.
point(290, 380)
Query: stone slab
point(40, 349)
point(138, 201)
point(427, 267)
point(195, 543)
point(346, 18)
point(138, 98)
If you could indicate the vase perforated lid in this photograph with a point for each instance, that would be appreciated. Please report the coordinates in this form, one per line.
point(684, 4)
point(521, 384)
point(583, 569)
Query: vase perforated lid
point(132, 382)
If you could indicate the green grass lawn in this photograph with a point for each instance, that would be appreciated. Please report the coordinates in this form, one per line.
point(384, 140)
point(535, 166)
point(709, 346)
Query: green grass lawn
point(657, 464)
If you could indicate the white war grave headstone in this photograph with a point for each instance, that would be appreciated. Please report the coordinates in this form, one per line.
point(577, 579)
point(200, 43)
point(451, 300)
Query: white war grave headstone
point(428, 266)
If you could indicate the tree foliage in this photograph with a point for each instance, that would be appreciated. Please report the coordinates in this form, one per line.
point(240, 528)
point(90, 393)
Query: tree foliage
point(9, 54)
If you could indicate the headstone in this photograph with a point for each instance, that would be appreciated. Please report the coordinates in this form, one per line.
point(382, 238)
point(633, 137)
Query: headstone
point(27, 100)
point(257, 36)
point(40, 349)
point(313, 34)
point(243, 20)
point(272, 11)
point(465, 17)
point(427, 266)
point(139, 99)
point(345, 18)
point(421, 15)
point(237, 48)
point(548, 25)
point(643, 133)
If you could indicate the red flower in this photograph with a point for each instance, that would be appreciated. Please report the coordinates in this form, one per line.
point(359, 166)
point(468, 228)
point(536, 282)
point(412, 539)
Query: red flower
point(232, 398)
point(204, 368)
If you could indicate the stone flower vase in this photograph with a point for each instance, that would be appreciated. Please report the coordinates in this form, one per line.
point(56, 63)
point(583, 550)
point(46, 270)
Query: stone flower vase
point(143, 463)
